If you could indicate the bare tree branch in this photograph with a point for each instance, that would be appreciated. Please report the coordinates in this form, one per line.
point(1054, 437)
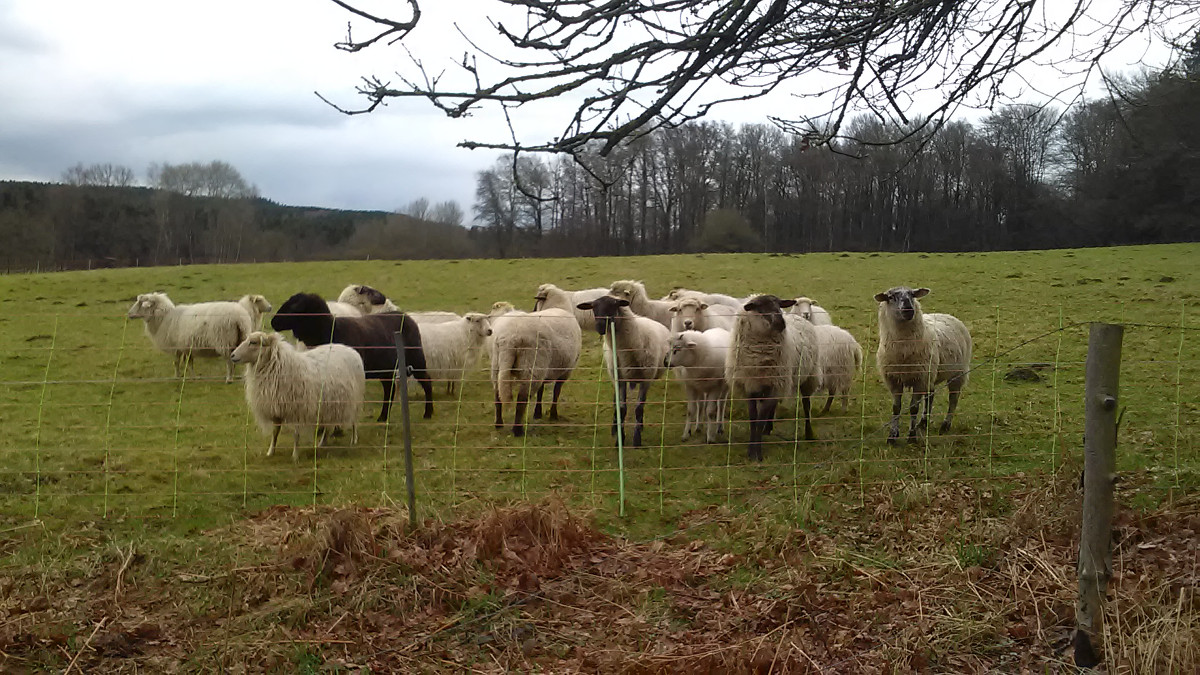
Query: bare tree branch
point(631, 67)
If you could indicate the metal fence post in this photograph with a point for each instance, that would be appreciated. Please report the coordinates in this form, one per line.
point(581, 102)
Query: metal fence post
point(1099, 472)
point(401, 382)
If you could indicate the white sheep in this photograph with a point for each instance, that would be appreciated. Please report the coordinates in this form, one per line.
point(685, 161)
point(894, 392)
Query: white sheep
point(808, 309)
point(642, 345)
point(698, 359)
point(918, 351)
point(432, 317)
point(452, 347)
point(640, 302)
point(710, 298)
point(529, 350)
point(211, 329)
point(771, 355)
point(314, 390)
point(840, 357)
point(692, 313)
point(549, 295)
point(256, 306)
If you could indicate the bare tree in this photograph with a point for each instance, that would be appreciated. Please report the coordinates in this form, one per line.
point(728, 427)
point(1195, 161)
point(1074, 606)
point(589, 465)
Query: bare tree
point(112, 175)
point(417, 208)
point(447, 212)
point(628, 68)
point(215, 179)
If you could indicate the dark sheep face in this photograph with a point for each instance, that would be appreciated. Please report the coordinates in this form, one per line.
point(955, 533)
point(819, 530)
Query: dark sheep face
point(605, 308)
point(901, 301)
point(770, 309)
point(288, 316)
point(371, 295)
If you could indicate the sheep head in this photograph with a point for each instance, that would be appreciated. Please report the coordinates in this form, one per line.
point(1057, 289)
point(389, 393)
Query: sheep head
point(765, 312)
point(627, 289)
point(683, 349)
point(292, 313)
point(254, 346)
point(480, 323)
point(687, 310)
point(606, 309)
point(900, 303)
point(150, 305)
point(543, 292)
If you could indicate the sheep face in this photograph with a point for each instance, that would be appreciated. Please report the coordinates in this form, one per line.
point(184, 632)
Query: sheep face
point(626, 290)
point(260, 303)
point(803, 307)
point(765, 312)
point(683, 351)
point(288, 316)
point(501, 307)
point(253, 347)
point(481, 324)
point(687, 311)
point(149, 305)
point(901, 302)
point(606, 309)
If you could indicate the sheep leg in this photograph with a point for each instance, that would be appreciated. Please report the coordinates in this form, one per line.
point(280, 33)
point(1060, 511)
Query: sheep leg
point(639, 413)
point(519, 417)
point(388, 390)
point(558, 385)
point(228, 369)
point(828, 404)
point(691, 412)
point(499, 408)
point(537, 407)
point(274, 439)
point(178, 362)
point(894, 425)
point(955, 387)
point(754, 450)
point(914, 412)
point(427, 387)
point(806, 401)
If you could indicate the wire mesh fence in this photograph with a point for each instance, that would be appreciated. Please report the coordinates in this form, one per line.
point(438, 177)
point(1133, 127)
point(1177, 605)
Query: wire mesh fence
point(97, 426)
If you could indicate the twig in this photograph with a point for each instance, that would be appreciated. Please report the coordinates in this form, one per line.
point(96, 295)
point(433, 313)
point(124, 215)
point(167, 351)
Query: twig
point(71, 665)
point(121, 573)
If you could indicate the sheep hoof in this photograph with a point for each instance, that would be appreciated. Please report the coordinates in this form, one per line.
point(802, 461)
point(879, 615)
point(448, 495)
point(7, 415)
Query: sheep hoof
point(945, 427)
point(518, 432)
point(893, 438)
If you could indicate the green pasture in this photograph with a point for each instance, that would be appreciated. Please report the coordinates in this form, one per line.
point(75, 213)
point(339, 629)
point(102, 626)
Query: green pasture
point(97, 429)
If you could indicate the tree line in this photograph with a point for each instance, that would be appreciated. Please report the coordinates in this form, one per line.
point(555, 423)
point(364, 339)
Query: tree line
point(98, 216)
point(1119, 170)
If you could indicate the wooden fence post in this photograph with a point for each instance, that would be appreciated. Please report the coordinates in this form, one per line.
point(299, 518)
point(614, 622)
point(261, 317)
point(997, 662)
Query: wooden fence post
point(1099, 472)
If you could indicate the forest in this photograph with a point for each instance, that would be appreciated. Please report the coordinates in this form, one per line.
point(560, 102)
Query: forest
point(1123, 169)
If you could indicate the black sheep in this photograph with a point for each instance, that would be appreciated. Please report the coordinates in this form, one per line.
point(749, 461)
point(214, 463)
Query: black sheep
point(372, 336)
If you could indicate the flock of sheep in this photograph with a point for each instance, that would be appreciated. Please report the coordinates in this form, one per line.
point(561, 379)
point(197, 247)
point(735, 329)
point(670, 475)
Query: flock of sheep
point(760, 347)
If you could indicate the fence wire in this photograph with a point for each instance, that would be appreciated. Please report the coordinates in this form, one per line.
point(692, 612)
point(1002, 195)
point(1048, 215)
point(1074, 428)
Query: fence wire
point(97, 427)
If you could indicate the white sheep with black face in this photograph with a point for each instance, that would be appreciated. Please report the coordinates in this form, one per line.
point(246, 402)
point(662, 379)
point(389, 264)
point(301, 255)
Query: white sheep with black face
point(364, 300)
point(918, 351)
point(639, 357)
point(210, 329)
point(309, 391)
point(771, 355)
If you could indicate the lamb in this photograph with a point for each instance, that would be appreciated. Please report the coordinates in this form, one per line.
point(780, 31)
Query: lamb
point(840, 357)
point(452, 347)
point(691, 313)
point(211, 329)
point(316, 389)
point(918, 351)
point(808, 309)
point(549, 295)
point(771, 354)
point(528, 351)
point(255, 305)
point(642, 345)
point(307, 315)
point(699, 362)
point(634, 292)
point(710, 298)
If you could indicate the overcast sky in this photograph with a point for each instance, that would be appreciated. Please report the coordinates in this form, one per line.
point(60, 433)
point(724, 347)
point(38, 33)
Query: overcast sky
point(138, 81)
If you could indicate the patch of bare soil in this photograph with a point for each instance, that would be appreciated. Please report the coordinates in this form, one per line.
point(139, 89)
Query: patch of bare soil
point(923, 579)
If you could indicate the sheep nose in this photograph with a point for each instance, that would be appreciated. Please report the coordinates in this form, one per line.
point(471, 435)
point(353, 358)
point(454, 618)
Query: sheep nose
point(687, 324)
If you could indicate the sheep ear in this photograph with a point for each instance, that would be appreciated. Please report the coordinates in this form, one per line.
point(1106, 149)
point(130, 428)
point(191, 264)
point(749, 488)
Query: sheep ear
point(704, 305)
point(881, 297)
point(585, 306)
point(749, 307)
point(623, 303)
point(920, 292)
point(786, 303)
point(691, 343)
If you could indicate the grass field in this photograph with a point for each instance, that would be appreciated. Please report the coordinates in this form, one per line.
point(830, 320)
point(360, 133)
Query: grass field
point(104, 449)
